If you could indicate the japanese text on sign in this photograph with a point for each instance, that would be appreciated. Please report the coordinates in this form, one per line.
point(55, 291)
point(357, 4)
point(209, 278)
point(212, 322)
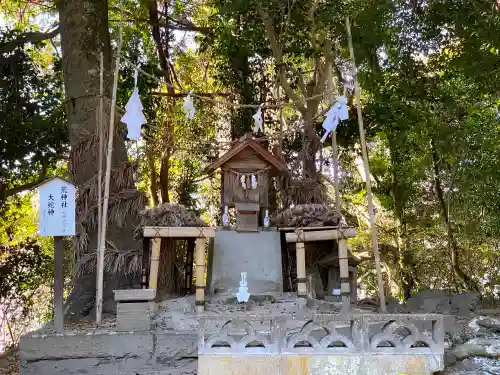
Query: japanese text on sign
point(57, 208)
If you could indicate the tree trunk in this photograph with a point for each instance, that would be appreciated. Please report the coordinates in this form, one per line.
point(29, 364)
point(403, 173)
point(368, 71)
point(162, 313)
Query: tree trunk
point(452, 243)
point(167, 283)
point(310, 148)
point(84, 35)
point(153, 176)
point(405, 260)
point(168, 279)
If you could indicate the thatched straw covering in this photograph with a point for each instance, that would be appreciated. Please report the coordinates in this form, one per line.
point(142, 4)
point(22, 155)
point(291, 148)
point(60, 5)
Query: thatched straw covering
point(170, 215)
point(115, 261)
point(300, 191)
point(306, 215)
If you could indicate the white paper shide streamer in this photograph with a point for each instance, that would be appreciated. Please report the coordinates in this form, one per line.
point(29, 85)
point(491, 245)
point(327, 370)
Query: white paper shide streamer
point(189, 109)
point(134, 117)
point(337, 113)
point(257, 118)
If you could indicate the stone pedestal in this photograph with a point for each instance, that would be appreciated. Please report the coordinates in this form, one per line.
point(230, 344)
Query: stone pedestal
point(133, 316)
point(335, 284)
point(258, 254)
point(134, 309)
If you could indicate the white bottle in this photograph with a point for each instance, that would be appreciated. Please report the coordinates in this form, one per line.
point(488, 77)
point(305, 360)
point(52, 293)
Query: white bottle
point(225, 217)
point(266, 219)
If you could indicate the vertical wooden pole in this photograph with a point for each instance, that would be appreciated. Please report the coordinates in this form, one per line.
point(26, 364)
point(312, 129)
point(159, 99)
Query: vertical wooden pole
point(335, 153)
point(155, 263)
point(146, 253)
point(100, 255)
point(282, 123)
point(354, 285)
point(189, 265)
point(369, 195)
point(200, 275)
point(345, 289)
point(58, 283)
point(301, 267)
point(107, 178)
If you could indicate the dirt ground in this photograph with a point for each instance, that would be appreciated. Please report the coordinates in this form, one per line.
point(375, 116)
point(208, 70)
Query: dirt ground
point(9, 363)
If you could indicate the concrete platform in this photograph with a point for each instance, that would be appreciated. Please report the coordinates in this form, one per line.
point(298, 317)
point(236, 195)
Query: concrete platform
point(109, 353)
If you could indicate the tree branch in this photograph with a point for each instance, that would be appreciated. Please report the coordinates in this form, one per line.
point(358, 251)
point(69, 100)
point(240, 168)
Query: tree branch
point(278, 55)
point(27, 186)
point(300, 81)
point(175, 75)
point(183, 94)
point(185, 26)
point(29, 37)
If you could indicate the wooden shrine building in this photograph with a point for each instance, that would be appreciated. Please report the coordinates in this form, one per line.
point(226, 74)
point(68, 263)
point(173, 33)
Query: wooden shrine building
point(246, 170)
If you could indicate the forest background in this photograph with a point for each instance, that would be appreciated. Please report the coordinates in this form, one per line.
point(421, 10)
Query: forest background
point(429, 74)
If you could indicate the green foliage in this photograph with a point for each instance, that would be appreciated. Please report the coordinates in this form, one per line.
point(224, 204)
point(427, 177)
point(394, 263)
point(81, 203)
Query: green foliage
point(33, 135)
point(26, 269)
point(33, 139)
point(23, 269)
point(429, 75)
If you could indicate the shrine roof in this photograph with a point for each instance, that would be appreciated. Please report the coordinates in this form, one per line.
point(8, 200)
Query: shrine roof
point(267, 156)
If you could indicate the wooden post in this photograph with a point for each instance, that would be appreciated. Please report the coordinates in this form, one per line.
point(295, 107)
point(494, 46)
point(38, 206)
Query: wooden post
point(369, 195)
point(146, 253)
point(188, 282)
point(345, 289)
point(100, 255)
point(354, 284)
point(155, 263)
point(58, 283)
point(200, 275)
point(107, 178)
point(301, 267)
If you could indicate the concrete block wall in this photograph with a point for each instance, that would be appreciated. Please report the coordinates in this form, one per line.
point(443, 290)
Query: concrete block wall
point(329, 344)
point(323, 344)
point(107, 353)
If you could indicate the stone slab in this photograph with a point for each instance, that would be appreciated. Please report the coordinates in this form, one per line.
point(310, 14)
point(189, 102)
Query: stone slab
point(135, 295)
point(94, 367)
point(162, 353)
point(134, 307)
point(102, 345)
point(90, 366)
point(258, 254)
point(131, 322)
point(174, 345)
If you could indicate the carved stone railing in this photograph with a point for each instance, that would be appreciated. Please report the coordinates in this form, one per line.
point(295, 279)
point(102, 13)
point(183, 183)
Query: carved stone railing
point(351, 343)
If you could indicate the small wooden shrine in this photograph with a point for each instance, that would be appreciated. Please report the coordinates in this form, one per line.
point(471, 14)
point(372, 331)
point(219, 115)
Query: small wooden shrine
point(246, 170)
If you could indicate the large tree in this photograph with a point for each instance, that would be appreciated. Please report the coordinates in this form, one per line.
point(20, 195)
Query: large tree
point(84, 31)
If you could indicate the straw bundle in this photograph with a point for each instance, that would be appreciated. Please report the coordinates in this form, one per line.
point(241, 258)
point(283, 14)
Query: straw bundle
point(170, 215)
point(306, 215)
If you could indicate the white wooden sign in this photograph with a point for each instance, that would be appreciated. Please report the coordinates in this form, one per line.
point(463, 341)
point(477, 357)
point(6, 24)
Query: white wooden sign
point(57, 208)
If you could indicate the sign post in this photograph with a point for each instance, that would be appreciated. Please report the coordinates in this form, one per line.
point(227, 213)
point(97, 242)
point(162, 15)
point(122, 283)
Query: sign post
point(57, 219)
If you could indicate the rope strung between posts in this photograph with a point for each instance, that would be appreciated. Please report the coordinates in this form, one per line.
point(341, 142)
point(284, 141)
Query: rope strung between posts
point(227, 102)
